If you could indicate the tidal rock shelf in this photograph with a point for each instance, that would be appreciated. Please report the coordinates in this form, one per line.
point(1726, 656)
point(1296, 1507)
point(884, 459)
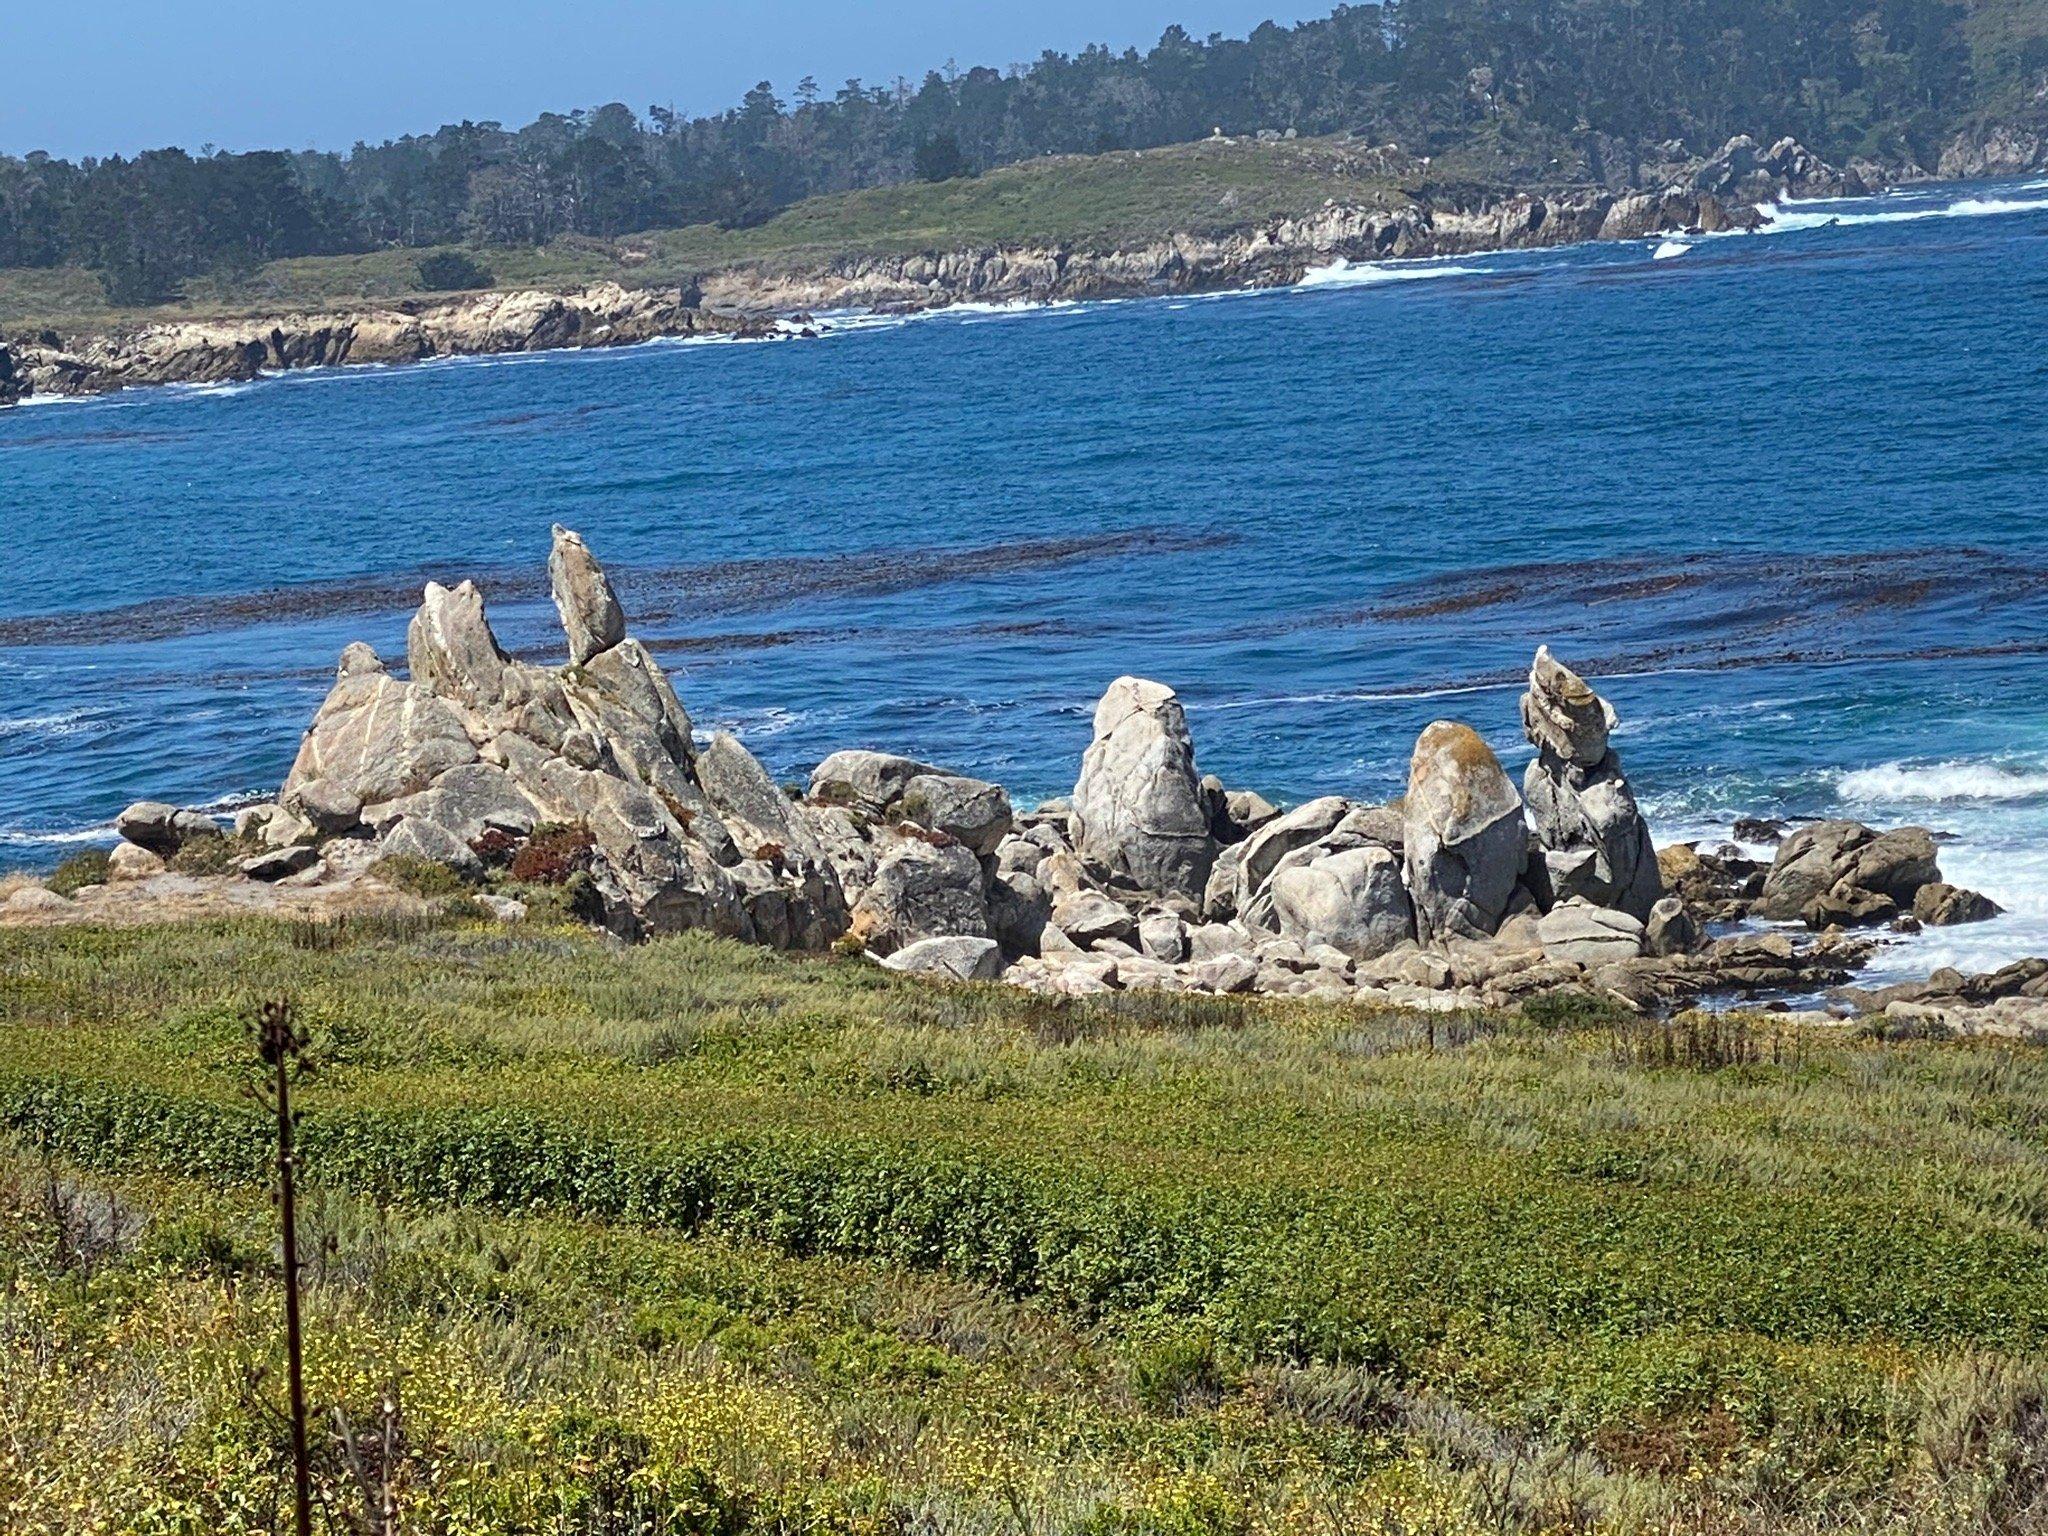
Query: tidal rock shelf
point(586, 781)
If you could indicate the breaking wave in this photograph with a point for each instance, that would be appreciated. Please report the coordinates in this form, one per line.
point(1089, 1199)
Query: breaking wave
point(1941, 783)
point(1780, 218)
point(1342, 273)
point(74, 722)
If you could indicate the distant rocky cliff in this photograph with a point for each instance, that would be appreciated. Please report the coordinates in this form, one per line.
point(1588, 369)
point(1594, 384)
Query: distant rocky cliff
point(1708, 195)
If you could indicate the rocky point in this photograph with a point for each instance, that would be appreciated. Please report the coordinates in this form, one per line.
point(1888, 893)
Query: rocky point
point(586, 777)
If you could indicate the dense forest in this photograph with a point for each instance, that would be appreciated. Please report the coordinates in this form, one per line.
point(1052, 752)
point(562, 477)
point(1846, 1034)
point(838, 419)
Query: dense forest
point(1884, 78)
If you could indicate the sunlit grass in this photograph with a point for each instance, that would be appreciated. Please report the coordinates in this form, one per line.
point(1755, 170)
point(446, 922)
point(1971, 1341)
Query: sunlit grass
point(1735, 1286)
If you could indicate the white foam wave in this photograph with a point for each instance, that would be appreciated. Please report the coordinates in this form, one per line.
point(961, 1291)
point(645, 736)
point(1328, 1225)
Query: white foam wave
point(74, 722)
point(1669, 249)
point(1941, 783)
point(1343, 273)
point(1781, 218)
point(1361, 696)
point(29, 837)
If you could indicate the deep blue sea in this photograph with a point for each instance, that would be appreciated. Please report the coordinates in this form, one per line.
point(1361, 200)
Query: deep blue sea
point(1783, 495)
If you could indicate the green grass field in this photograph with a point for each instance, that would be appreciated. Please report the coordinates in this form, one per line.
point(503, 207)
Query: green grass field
point(1088, 201)
point(691, 1237)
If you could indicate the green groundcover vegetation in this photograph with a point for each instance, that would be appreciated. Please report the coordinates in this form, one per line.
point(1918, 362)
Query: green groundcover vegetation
point(692, 1237)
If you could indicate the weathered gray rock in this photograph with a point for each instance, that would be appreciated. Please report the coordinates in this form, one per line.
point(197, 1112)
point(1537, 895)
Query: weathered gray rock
point(1263, 851)
point(891, 788)
point(974, 811)
point(418, 838)
point(1163, 936)
point(591, 615)
point(465, 802)
point(1227, 972)
point(921, 891)
point(36, 898)
point(1464, 839)
point(1579, 932)
point(959, 957)
point(280, 863)
point(868, 781)
point(1825, 857)
point(329, 807)
point(380, 739)
point(1670, 929)
point(1018, 908)
point(1562, 715)
point(1941, 905)
point(1595, 843)
point(161, 828)
point(1355, 900)
point(1089, 918)
point(1247, 810)
point(450, 649)
point(477, 745)
point(132, 861)
point(1139, 810)
point(1208, 940)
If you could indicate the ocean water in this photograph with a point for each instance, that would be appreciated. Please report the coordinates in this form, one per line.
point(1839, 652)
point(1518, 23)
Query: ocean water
point(1784, 496)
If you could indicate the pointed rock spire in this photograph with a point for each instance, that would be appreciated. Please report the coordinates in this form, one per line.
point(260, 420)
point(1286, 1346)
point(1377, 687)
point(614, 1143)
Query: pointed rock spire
point(591, 615)
point(1596, 845)
point(450, 647)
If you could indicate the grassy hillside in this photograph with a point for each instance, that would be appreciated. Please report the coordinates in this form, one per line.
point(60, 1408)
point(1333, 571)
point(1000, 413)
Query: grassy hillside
point(694, 1237)
point(1079, 199)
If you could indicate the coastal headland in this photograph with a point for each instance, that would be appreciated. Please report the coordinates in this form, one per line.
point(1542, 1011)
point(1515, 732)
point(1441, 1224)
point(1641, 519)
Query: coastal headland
point(1196, 218)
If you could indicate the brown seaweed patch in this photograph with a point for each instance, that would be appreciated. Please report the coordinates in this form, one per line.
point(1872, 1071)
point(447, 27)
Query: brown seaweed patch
point(653, 594)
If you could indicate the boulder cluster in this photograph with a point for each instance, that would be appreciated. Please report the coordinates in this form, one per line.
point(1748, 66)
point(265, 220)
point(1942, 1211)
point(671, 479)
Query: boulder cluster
point(1465, 890)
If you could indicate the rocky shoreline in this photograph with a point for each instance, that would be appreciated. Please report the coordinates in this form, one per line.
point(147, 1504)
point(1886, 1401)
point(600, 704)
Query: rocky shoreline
point(503, 784)
point(761, 300)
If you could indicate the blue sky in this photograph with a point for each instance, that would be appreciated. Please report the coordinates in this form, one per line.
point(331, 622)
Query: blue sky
point(114, 76)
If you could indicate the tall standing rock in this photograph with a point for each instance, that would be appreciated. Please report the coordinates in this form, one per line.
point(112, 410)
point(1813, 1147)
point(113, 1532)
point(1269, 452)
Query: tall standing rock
point(1596, 845)
point(591, 615)
point(1463, 835)
point(1139, 810)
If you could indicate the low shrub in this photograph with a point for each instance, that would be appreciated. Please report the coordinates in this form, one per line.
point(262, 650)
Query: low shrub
point(553, 854)
point(213, 853)
point(80, 870)
point(443, 271)
point(419, 877)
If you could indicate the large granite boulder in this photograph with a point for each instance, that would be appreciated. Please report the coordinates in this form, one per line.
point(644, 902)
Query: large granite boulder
point(1829, 862)
point(1464, 837)
point(1355, 900)
point(1140, 814)
point(590, 611)
point(1595, 843)
point(921, 890)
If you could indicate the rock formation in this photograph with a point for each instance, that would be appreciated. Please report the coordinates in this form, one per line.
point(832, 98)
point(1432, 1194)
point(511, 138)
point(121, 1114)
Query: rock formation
point(1140, 814)
point(588, 776)
point(476, 752)
point(1465, 842)
point(1596, 845)
point(1844, 872)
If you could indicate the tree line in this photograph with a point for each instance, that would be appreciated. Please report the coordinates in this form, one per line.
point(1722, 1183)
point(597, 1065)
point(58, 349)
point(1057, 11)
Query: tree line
point(1884, 78)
